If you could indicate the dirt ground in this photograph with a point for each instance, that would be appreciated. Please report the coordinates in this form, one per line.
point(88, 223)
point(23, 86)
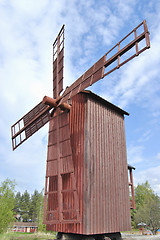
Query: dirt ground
point(138, 237)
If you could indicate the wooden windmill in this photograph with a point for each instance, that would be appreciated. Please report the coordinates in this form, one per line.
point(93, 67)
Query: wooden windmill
point(86, 189)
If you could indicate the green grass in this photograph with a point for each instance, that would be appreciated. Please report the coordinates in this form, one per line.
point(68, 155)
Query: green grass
point(27, 236)
point(133, 231)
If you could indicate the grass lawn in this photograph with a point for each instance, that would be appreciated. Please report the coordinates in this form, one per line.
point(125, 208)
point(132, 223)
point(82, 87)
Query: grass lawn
point(27, 236)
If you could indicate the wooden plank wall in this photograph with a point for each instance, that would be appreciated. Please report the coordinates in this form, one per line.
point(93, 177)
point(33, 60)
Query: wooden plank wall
point(106, 193)
point(100, 168)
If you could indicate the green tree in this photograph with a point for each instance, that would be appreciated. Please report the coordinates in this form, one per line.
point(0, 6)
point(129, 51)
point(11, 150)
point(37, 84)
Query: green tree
point(17, 206)
point(17, 202)
point(7, 203)
point(35, 205)
point(147, 207)
point(41, 226)
point(25, 206)
point(143, 193)
point(36, 210)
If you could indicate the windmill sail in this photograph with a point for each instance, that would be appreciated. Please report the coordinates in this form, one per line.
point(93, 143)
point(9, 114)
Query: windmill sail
point(58, 55)
point(39, 115)
point(100, 69)
point(130, 46)
point(29, 124)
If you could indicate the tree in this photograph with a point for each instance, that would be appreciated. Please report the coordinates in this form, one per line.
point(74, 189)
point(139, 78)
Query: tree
point(7, 203)
point(35, 205)
point(147, 207)
point(17, 202)
point(154, 213)
point(41, 226)
point(17, 206)
point(30, 208)
point(25, 206)
point(36, 210)
point(143, 193)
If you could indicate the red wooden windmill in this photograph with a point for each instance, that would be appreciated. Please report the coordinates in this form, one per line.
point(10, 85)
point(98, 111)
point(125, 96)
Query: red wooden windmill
point(86, 190)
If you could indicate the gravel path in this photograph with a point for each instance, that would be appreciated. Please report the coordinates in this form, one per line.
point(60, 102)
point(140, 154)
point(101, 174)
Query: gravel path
point(138, 237)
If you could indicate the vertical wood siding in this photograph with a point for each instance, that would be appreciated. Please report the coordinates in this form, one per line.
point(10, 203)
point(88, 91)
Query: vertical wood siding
point(99, 175)
point(106, 193)
point(76, 126)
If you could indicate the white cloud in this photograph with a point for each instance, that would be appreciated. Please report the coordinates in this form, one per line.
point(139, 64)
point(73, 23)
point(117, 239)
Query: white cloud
point(151, 175)
point(145, 136)
point(29, 7)
point(158, 156)
point(135, 154)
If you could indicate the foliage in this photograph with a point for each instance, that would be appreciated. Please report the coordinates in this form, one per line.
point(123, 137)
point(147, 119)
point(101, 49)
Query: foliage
point(41, 226)
point(36, 209)
point(30, 208)
point(36, 201)
point(25, 206)
point(7, 203)
point(147, 207)
point(133, 223)
point(20, 207)
point(143, 193)
point(17, 201)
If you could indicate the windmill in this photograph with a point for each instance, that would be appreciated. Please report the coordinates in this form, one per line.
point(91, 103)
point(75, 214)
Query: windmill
point(71, 202)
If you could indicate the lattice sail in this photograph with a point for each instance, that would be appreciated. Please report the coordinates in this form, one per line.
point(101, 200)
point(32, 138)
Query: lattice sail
point(29, 124)
point(125, 50)
point(58, 55)
point(129, 47)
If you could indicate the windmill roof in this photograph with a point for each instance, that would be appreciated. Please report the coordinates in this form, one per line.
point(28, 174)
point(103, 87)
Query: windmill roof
point(104, 101)
point(131, 167)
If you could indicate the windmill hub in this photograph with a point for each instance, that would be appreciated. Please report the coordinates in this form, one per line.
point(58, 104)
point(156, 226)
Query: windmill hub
point(54, 103)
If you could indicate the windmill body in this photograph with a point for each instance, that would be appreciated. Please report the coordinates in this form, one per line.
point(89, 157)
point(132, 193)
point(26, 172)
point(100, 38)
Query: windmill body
point(93, 190)
point(86, 189)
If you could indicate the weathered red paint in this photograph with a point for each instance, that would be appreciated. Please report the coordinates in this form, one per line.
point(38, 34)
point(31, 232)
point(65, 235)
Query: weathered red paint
point(99, 168)
point(58, 55)
point(131, 185)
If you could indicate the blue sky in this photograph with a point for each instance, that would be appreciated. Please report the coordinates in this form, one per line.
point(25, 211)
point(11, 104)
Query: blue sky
point(28, 29)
